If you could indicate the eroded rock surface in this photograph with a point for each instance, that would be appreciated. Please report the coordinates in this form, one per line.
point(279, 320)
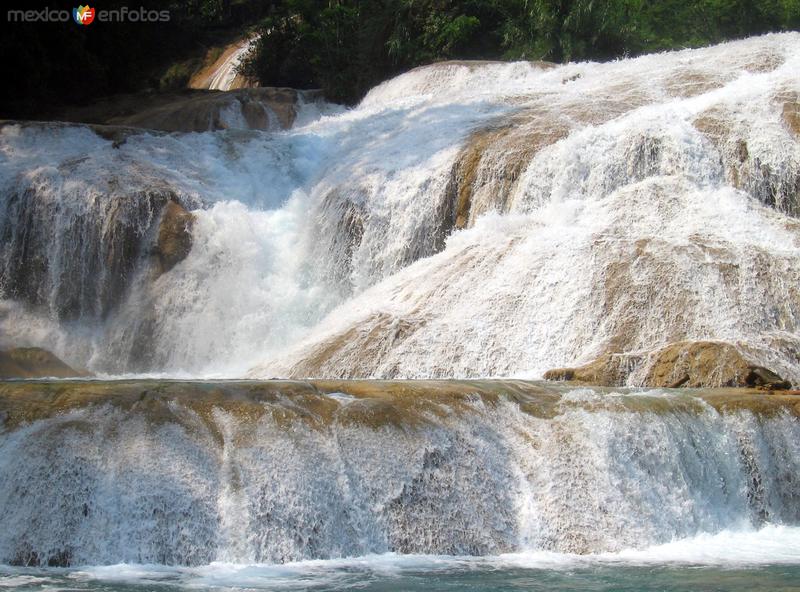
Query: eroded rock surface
point(686, 364)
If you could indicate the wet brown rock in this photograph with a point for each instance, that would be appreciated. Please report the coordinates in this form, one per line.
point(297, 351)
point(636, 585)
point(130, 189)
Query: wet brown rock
point(683, 364)
point(744, 167)
point(112, 235)
point(764, 61)
point(492, 160)
point(204, 110)
point(697, 364)
point(174, 236)
point(791, 112)
point(34, 362)
point(404, 404)
point(607, 370)
point(26, 557)
point(494, 157)
point(690, 83)
point(466, 170)
point(380, 332)
point(340, 229)
point(766, 379)
point(193, 110)
point(714, 124)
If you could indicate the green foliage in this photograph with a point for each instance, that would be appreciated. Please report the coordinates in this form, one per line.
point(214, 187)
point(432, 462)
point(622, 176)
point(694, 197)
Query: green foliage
point(347, 46)
point(177, 75)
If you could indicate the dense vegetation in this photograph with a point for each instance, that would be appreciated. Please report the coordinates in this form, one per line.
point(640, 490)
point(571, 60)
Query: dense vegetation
point(49, 64)
point(347, 46)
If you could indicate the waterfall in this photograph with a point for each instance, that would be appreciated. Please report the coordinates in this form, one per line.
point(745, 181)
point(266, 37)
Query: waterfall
point(192, 473)
point(465, 220)
point(223, 77)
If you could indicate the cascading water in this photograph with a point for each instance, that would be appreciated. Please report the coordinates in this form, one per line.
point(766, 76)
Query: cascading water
point(188, 474)
point(224, 76)
point(463, 220)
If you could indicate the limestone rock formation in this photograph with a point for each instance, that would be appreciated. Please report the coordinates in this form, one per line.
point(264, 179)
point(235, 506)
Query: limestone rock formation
point(791, 112)
point(110, 233)
point(749, 164)
point(197, 110)
point(174, 236)
point(686, 364)
point(607, 370)
point(34, 362)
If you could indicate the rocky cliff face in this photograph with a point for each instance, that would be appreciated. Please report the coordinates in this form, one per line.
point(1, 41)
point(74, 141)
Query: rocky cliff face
point(87, 270)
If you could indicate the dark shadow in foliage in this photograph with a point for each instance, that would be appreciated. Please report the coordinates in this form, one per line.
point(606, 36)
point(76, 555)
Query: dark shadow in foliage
point(48, 65)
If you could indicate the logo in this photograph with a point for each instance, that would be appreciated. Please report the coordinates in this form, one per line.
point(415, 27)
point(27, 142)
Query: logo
point(83, 15)
point(86, 15)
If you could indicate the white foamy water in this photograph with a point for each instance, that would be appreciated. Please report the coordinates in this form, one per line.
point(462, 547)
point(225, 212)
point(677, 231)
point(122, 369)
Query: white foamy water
point(771, 546)
point(161, 483)
point(630, 204)
point(223, 77)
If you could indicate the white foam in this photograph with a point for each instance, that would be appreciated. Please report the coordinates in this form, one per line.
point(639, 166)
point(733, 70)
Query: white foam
point(342, 216)
point(602, 475)
point(771, 545)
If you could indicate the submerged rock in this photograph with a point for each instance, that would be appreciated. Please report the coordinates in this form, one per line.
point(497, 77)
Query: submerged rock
point(34, 362)
point(685, 364)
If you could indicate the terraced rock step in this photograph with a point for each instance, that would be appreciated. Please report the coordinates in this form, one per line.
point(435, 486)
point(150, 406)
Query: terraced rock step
point(187, 473)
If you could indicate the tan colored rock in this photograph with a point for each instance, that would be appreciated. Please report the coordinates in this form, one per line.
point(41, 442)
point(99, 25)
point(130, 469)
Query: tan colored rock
point(34, 362)
point(697, 364)
point(683, 364)
point(466, 170)
point(194, 110)
point(174, 236)
point(198, 111)
point(745, 168)
point(380, 333)
point(791, 112)
point(767, 60)
point(692, 82)
point(493, 159)
point(373, 403)
point(607, 370)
